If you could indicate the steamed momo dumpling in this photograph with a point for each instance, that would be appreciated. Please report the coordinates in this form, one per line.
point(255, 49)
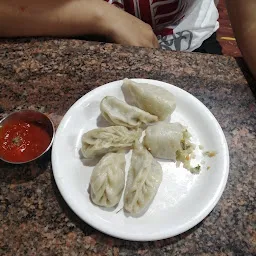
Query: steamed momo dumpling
point(151, 98)
point(120, 113)
point(164, 139)
point(108, 180)
point(168, 141)
point(108, 139)
point(143, 180)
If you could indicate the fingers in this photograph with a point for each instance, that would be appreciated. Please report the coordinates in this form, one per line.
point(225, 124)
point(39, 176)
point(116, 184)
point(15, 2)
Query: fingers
point(136, 32)
point(149, 36)
point(155, 42)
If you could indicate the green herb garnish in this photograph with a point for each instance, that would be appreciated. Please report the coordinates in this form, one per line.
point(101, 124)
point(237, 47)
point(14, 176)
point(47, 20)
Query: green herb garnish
point(195, 169)
point(16, 141)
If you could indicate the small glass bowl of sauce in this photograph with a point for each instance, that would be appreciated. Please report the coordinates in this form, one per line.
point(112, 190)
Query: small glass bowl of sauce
point(25, 136)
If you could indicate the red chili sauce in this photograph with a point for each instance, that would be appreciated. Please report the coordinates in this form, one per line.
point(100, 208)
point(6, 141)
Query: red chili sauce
point(21, 141)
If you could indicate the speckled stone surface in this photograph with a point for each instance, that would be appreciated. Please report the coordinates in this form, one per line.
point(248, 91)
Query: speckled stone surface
point(51, 76)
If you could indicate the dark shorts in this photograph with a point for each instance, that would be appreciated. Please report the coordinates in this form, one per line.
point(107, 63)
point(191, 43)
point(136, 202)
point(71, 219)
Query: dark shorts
point(210, 45)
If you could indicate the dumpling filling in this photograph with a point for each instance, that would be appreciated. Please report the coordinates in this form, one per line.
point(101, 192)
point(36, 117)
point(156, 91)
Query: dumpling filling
point(186, 152)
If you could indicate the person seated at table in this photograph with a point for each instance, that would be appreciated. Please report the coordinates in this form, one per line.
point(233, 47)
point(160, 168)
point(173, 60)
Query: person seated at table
point(185, 25)
point(182, 25)
point(243, 19)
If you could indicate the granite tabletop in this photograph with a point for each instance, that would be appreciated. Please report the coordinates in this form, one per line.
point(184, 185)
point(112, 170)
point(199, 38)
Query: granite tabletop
point(50, 75)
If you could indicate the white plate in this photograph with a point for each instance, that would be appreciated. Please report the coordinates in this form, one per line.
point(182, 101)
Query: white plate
point(183, 199)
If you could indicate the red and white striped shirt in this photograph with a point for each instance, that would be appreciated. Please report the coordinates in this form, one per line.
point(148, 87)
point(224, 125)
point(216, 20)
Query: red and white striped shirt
point(157, 13)
point(179, 24)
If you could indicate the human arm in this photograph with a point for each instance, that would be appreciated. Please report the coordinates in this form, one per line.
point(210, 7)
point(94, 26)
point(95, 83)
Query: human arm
point(243, 19)
point(71, 18)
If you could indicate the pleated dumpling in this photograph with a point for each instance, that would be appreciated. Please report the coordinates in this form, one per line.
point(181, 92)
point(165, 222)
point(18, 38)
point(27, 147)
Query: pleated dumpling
point(118, 112)
point(144, 178)
point(100, 141)
point(108, 180)
point(151, 98)
point(169, 141)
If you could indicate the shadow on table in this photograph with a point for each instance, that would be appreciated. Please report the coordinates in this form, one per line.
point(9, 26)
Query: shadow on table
point(21, 173)
point(112, 241)
point(247, 74)
point(87, 230)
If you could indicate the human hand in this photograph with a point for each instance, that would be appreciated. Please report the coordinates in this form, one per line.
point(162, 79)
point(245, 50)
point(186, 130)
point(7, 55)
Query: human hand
point(126, 29)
